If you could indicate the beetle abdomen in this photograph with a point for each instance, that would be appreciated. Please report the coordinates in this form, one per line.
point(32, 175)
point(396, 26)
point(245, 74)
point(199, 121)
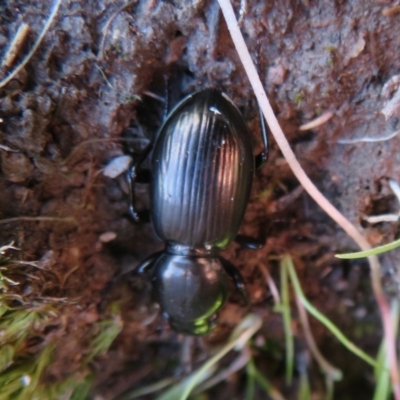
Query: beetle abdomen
point(190, 290)
point(202, 172)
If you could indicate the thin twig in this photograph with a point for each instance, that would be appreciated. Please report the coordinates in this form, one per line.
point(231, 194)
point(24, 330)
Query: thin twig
point(242, 11)
point(104, 77)
point(108, 23)
point(3, 249)
point(154, 96)
point(15, 45)
point(35, 264)
point(68, 274)
point(322, 119)
point(369, 139)
point(333, 373)
point(395, 187)
point(309, 186)
point(236, 365)
point(376, 219)
point(8, 149)
point(35, 46)
point(100, 140)
point(271, 284)
point(69, 220)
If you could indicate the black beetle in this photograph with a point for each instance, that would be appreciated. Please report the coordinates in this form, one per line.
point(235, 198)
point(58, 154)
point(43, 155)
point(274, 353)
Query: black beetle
point(202, 170)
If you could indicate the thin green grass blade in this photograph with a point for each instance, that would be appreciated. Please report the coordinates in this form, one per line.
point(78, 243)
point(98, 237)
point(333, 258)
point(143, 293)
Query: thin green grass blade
point(287, 325)
point(42, 361)
point(268, 388)
point(304, 388)
point(108, 331)
point(251, 381)
point(372, 252)
point(318, 315)
point(6, 356)
point(382, 375)
point(243, 332)
point(149, 389)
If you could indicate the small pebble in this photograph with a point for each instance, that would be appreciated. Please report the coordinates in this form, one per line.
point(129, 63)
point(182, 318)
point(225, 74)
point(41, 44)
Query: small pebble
point(107, 237)
point(117, 166)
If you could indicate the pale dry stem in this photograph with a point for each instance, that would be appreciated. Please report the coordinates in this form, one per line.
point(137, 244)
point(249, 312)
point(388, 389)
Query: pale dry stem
point(35, 46)
point(312, 190)
point(15, 45)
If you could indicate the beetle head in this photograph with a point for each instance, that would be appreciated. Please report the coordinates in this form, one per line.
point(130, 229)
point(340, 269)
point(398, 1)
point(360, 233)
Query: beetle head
point(190, 291)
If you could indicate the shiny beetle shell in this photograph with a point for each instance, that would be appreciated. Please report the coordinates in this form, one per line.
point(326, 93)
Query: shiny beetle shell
point(191, 290)
point(202, 169)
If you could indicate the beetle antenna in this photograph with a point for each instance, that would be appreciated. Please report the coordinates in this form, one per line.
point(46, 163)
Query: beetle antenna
point(166, 103)
point(261, 158)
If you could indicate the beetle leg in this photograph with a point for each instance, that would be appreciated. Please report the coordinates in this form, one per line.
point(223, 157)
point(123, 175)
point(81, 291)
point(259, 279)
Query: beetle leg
point(249, 242)
point(134, 175)
point(142, 268)
point(146, 265)
point(262, 158)
point(237, 278)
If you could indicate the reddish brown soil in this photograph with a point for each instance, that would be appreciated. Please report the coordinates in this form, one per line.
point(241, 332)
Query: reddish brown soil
point(332, 56)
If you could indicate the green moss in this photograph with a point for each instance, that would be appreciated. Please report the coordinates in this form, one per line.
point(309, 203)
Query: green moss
point(25, 317)
point(298, 98)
